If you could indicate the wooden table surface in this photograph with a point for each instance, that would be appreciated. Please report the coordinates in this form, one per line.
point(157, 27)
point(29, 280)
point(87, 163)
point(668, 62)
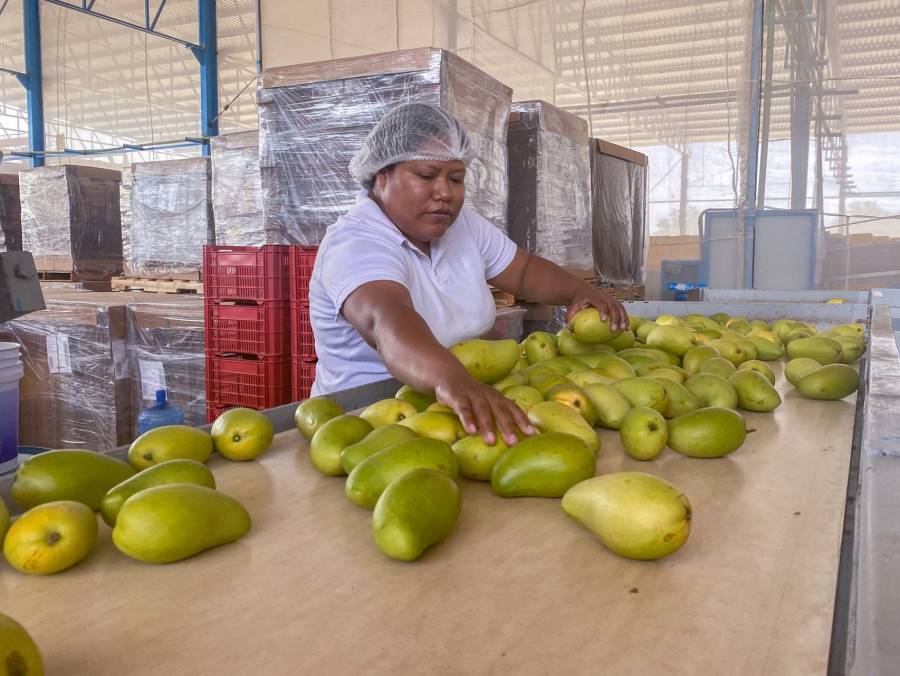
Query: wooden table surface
point(518, 588)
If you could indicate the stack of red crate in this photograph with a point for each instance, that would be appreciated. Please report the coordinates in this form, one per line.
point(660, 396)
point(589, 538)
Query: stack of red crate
point(303, 345)
point(248, 319)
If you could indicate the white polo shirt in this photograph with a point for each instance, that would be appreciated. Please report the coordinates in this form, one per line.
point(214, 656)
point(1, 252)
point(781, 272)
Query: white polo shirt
point(448, 288)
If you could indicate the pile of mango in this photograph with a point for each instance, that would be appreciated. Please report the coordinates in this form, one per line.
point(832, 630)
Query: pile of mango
point(680, 382)
point(162, 505)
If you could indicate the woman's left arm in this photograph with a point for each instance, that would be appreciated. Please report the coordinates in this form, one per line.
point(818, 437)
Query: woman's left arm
point(541, 281)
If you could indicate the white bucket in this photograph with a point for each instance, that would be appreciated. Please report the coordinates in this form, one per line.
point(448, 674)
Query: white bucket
point(11, 372)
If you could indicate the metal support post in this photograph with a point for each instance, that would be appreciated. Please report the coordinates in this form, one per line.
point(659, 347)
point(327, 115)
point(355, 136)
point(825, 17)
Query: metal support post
point(683, 200)
point(753, 139)
point(209, 71)
point(32, 80)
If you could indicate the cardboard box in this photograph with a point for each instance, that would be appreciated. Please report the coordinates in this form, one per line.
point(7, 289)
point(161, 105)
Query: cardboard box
point(75, 392)
point(10, 213)
point(71, 221)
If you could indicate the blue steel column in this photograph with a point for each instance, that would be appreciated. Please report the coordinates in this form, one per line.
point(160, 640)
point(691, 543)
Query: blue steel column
point(209, 71)
point(753, 138)
point(32, 79)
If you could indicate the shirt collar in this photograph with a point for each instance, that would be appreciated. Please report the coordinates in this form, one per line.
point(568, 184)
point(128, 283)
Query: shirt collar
point(368, 211)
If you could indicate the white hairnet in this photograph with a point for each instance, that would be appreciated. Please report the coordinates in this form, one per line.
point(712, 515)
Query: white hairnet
point(412, 131)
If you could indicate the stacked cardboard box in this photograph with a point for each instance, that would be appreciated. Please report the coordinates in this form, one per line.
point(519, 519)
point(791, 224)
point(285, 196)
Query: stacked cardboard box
point(237, 190)
point(71, 220)
point(549, 174)
point(314, 117)
point(165, 347)
point(171, 219)
point(10, 213)
point(75, 392)
point(619, 194)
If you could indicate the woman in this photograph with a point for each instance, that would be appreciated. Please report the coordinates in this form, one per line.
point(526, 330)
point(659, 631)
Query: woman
point(404, 274)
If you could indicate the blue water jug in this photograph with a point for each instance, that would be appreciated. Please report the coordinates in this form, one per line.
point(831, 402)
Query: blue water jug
point(161, 413)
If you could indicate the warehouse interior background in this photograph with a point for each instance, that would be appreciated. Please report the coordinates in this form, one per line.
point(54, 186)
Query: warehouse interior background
point(669, 78)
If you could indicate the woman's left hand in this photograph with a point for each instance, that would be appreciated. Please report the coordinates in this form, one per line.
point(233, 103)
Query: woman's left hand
point(609, 307)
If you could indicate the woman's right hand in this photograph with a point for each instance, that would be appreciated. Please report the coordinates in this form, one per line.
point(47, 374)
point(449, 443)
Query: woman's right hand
point(480, 407)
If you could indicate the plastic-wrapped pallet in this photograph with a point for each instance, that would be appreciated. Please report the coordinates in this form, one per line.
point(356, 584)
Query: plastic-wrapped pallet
point(314, 117)
point(10, 213)
point(165, 350)
point(71, 220)
point(236, 190)
point(125, 210)
point(619, 195)
point(549, 181)
point(171, 218)
point(75, 392)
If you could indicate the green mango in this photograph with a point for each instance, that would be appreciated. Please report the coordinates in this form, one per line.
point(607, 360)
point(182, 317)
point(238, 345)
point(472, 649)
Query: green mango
point(169, 472)
point(436, 425)
point(852, 348)
point(572, 395)
point(797, 369)
point(4, 519)
point(674, 339)
point(680, 399)
point(418, 510)
point(476, 458)
point(636, 515)
point(639, 355)
point(590, 329)
point(712, 390)
point(544, 384)
point(731, 350)
point(643, 392)
point(634, 321)
point(332, 438)
point(623, 341)
point(487, 360)
point(421, 400)
point(644, 330)
point(542, 466)
point(525, 396)
point(750, 352)
point(388, 412)
point(675, 373)
point(164, 524)
point(170, 442)
point(693, 359)
point(367, 481)
point(540, 346)
point(755, 392)
point(567, 344)
point(82, 476)
point(611, 406)
point(613, 367)
point(718, 366)
point(759, 367)
point(644, 433)
point(830, 382)
point(766, 350)
point(588, 376)
point(720, 317)
point(553, 416)
point(512, 379)
point(313, 413)
point(377, 440)
point(707, 432)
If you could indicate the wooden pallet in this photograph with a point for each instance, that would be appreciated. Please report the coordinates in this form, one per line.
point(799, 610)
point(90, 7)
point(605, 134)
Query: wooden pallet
point(502, 298)
point(157, 285)
point(635, 292)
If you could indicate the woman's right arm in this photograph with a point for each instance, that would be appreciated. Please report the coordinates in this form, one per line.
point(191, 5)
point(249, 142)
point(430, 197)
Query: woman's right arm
point(384, 315)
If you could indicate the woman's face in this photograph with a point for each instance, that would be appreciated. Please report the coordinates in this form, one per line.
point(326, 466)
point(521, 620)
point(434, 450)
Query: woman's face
point(422, 197)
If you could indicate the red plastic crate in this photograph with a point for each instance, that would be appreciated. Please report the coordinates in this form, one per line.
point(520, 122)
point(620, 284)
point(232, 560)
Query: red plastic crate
point(262, 330)
point(302, 260)
point(239, 380)
point(303, 343)
point(247, 272)
point(303, 375)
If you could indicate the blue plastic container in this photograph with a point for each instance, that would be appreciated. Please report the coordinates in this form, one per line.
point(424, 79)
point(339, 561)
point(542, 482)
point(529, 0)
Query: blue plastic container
point(160, 414)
